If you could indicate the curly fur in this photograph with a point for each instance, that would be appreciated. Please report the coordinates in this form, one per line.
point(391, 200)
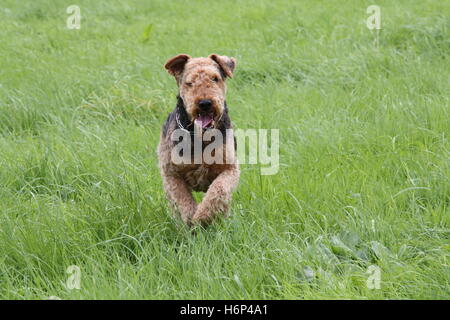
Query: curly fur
point(217, 180)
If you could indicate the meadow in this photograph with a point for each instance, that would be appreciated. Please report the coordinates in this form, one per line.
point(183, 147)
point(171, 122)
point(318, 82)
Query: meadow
point(363, 185)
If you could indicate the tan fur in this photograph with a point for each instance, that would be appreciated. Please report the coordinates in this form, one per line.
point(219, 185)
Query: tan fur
point(197, 79)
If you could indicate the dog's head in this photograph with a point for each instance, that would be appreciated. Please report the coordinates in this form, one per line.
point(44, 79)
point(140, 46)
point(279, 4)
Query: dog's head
point(202, 87)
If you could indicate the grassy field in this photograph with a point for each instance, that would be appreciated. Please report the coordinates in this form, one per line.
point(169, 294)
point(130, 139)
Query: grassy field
point(364, 169)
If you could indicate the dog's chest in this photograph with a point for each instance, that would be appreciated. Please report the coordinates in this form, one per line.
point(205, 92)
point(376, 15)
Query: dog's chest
point(199, 177)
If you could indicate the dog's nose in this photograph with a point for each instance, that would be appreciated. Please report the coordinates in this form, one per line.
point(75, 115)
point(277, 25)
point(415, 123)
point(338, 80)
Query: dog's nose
point(205, 104)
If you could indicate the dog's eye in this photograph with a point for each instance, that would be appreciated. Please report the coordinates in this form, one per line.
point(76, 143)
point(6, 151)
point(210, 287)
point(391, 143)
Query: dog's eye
point(215, 79)
point(189, 84)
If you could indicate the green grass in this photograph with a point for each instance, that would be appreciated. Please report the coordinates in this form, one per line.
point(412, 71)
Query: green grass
point(364, 173)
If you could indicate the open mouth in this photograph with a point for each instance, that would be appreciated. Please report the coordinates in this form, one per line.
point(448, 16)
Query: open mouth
point(204, 120)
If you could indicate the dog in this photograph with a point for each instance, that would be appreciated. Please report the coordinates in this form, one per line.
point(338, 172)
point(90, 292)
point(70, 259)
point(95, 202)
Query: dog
point(201, 107)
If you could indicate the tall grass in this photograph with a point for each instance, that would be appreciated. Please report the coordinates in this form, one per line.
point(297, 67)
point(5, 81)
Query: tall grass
point(364, 173)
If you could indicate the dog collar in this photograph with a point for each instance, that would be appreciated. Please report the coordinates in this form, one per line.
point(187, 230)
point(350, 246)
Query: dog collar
point(180, 126)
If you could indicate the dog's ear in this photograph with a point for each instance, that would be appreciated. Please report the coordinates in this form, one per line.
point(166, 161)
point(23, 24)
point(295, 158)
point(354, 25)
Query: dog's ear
point(175, 65)
point(225, 63)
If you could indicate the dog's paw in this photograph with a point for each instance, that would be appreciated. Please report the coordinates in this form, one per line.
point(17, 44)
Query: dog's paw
point(202, 216)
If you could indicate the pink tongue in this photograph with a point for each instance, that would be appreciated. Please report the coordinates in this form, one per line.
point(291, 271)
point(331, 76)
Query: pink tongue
point(203, 120)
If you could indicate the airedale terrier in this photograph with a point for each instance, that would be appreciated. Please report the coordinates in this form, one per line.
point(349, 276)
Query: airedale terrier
point(201, 107)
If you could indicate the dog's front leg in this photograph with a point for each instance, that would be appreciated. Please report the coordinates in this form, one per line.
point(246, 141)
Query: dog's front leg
point(218, 197)
point(180, 197)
